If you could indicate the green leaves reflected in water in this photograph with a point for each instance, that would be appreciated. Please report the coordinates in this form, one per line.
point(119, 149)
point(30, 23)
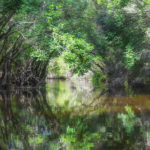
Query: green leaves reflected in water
point(78, 136)
point(64, 117)
point(129, 121)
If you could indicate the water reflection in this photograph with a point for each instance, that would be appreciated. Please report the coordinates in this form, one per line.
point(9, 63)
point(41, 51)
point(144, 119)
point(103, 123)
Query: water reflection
point(26, 119)
point(70, 116)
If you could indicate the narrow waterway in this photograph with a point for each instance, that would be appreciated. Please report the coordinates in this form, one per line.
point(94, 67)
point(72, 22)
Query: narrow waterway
point(66, 115)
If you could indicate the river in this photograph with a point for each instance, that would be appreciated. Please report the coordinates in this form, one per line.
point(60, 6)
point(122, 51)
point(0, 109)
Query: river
point(67, 115)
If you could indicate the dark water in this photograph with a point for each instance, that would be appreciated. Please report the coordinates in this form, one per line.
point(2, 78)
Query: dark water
point(71, 116)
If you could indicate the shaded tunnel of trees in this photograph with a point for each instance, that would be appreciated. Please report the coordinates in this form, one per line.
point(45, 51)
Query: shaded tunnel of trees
point(110, 38)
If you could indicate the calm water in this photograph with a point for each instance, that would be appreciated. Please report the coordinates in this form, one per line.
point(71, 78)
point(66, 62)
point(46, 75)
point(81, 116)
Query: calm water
point(71, 116)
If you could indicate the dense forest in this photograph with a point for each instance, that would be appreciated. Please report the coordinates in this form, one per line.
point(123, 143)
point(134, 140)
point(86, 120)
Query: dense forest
point(108, 37)
point(105, 44)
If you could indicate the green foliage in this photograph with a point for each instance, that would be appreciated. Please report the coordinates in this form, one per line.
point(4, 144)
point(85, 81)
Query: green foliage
point(128, 120)
point(124, 131)
point(36, 31)
point(78, 137)
point(63, 38)
point(118, 3)
point(130, 56)
point(36, 140)
point(128, 88)
point(59, 67)
point(98, 80)
point(79, 56)
point(10, 5)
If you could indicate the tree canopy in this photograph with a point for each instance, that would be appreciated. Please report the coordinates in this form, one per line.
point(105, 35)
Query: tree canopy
point(95, 35)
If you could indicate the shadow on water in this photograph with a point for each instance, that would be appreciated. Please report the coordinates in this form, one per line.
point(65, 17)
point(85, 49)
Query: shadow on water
point(70, 116)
